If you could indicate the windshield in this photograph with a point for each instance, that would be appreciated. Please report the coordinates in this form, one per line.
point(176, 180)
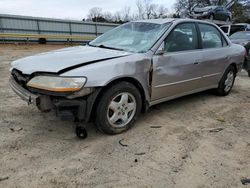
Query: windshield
point(241, 35)
point(133, 37)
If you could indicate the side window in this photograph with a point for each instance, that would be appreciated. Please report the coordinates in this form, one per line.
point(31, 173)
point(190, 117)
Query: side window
point(211, 36)
point(182, 38)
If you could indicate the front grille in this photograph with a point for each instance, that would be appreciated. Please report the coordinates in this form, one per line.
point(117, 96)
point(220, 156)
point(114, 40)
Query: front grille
point(20, 78)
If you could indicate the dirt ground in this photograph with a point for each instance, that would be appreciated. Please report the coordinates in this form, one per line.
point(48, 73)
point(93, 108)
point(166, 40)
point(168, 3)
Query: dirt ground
point(201, 141)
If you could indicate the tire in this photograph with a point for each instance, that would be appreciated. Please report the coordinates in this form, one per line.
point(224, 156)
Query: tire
point(227, 81)
point(42, 41)
point(118, 108)
point(211, 17)
point(248, 73)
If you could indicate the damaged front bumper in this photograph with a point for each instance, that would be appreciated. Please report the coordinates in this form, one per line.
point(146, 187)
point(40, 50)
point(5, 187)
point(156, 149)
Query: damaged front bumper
point(79, 108)
point(26, 95)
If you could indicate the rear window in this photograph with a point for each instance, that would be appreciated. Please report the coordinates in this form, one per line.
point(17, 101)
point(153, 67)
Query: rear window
point(211, 37)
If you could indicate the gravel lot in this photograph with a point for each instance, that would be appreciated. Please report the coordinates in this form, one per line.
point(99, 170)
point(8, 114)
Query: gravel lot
point(201, 140)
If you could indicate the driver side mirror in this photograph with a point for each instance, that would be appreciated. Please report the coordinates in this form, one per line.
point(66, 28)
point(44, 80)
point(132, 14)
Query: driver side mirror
point(161, 49)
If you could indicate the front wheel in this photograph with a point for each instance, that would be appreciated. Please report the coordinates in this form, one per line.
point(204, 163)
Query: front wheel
point(118, 108)
point(227, 81)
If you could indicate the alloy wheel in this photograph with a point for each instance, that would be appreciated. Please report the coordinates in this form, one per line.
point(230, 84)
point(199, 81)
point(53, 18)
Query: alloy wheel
point(229, 81)
point(121, 109)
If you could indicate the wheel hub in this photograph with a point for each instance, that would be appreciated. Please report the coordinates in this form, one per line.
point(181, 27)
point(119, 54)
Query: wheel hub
point(229, 81)
point(121, 109)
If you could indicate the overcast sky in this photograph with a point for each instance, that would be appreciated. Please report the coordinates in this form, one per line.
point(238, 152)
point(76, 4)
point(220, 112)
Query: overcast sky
point(70, 9)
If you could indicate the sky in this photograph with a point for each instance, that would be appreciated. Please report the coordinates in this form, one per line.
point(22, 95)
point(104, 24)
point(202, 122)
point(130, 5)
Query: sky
point(68, 9)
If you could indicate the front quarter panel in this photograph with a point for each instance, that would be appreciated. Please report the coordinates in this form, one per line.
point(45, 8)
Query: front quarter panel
point(100, 74)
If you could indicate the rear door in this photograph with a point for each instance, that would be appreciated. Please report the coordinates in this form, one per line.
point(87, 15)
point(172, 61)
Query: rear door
point(175, 72)
point(215, 54)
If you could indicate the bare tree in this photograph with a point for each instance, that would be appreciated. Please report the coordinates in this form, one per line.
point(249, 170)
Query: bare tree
point(140, 8)
point(94, 13)
point(108, 16)
point(162, 11)
point(126, 14)
point(117, 16)
point(149, 8)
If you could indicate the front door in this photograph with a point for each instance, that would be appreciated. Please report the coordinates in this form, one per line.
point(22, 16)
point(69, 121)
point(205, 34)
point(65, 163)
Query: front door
point(176, 72)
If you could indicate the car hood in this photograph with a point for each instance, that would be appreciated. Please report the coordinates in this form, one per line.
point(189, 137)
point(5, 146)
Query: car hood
point(65, 59)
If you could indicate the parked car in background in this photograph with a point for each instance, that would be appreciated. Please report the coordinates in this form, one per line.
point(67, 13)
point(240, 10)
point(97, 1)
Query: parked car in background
point(231, 29)
point(243, 38)
point(128, 69)
point(212, 13)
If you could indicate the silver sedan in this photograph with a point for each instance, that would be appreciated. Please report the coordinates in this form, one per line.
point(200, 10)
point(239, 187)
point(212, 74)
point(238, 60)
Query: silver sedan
point(128, 69)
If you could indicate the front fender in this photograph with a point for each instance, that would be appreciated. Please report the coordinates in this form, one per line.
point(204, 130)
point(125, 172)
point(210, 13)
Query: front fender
point(100, 74)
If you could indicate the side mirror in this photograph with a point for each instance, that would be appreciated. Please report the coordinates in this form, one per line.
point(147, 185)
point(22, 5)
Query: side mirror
point(160, 50)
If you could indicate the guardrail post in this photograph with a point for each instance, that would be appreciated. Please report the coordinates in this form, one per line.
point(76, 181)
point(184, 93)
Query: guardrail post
point(2, 30)
point(38, 26)
point(96, 32)
point(70, 31)
point(1, 25)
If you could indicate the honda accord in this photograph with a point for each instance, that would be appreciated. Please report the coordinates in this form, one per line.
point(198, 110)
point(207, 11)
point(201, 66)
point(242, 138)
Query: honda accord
point(128, 69)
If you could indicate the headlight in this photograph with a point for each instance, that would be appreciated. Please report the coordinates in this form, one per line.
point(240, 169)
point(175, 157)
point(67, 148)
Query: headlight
point(57, 83)
point(204, 13)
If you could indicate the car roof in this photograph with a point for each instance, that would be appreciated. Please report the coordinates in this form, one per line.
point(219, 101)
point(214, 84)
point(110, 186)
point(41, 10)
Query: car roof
point(157, 21)
point(175, 20)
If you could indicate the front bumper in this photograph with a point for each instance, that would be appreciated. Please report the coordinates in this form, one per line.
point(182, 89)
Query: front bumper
point(26, 95)
point(199, 16)
point(77, 109)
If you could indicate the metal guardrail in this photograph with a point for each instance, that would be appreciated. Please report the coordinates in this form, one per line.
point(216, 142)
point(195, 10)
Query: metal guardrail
point(37, 36)
point(15, 28)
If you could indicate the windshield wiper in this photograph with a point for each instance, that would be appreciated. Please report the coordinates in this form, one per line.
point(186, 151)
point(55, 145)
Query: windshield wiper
point(108, 47)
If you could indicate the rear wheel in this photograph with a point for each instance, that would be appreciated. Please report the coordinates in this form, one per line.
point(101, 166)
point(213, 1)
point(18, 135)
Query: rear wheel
point(118, 108)
point(227, 81)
